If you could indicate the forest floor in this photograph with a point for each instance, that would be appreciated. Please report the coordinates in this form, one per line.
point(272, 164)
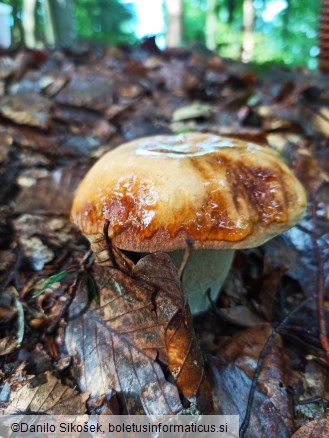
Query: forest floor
point(59, 112)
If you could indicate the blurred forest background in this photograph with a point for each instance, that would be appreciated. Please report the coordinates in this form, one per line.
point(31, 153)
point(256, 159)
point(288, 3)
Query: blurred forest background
point(259, 31)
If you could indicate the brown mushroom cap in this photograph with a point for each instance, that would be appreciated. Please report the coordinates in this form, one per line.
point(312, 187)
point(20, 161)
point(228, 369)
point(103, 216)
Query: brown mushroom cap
point(158, 191)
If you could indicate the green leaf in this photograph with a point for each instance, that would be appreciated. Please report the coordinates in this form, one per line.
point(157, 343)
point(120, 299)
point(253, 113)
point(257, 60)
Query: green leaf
point(50, 281)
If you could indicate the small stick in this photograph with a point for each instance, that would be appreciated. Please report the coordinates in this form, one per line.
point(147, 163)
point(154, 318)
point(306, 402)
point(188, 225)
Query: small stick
point(186, 257)
point(109, 243)
point(260, 363)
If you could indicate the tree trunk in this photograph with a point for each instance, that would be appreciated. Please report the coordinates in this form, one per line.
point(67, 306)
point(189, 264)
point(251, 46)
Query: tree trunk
point(174, 13)
point(28, 23)
point(324, 37)
point(61, 31)
point(231, 9)
point(248, 32)
point(211, 25)
point(49, 28)
point(18, 33)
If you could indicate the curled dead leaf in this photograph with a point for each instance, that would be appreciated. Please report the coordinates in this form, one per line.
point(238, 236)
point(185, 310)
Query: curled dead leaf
point(271, 409)
point(313, 429)
point(46, 394)
point(127, 343)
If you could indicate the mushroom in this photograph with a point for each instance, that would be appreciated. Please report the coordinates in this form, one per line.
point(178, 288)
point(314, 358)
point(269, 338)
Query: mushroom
point(157, 192)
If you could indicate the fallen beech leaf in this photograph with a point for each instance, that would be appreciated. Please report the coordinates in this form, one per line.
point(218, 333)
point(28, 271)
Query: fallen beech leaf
point(45, 394)
point(185, 361)
point(28, 138)
point(7, 66)
point(8, 344)
point(310, 170)
point(88, 88)
point(271, 411)
point(120, 344)
point(44, 194)
point(242, 316)
point(175, 77)
point(6, 141)
point(111, 358)
point(192, 111)
point(141, 125)
point(313, 429)
point(297, 243)
point(270, 283)
point(27, 109)
point(36, 252)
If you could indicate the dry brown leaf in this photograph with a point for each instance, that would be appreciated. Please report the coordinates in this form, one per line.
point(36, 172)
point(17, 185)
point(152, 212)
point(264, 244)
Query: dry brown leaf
point(192, 111)
point(6, 141)
point(7, 66)
point(88, 88)
point(175, 76)
point(184, 358)
point(313, 429)
point(297, 242)
point(112, 358)
point(8, 344)
point(27, 109)
point(49, 193)
point(242, 316)
point(45, 394)
point(271, 411)
point(128, 339)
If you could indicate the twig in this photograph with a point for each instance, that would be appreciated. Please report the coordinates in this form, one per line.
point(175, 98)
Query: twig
point(118, 259)
point(260, 363)
point(186, 257)
point(109, 243)
point(320, 287)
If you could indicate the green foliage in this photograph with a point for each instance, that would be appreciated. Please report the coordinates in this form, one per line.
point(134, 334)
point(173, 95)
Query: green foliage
point(50, 282)
point(194, 19)
point(101, 21)
point(289, 38)
point(104, 21)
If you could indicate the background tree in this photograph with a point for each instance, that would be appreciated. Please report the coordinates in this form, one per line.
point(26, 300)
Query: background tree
point(211, 24)
point(194, 21)
point(61, 23)
point(247, 46)
point(60, 29)
point(174, 11)
point(104, 21)
point(28, 22)
point(286, 35)
point(324, 37)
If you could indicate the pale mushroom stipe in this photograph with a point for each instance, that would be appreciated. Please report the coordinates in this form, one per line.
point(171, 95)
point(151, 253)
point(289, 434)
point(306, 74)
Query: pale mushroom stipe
point(157, 192)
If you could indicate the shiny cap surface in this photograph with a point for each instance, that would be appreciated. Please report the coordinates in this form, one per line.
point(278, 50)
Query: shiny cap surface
point(158, 191)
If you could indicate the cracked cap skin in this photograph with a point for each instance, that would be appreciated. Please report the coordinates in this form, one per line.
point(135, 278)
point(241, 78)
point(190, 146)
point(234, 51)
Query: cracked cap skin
point(158, 191)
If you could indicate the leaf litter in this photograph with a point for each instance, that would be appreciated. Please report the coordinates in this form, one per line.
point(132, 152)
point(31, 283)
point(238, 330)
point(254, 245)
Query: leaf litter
point(54, 124)
point(142, 321)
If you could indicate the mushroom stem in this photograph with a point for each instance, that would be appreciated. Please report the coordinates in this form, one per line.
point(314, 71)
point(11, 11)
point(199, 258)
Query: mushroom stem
point(206, 270)
point(100, 249)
